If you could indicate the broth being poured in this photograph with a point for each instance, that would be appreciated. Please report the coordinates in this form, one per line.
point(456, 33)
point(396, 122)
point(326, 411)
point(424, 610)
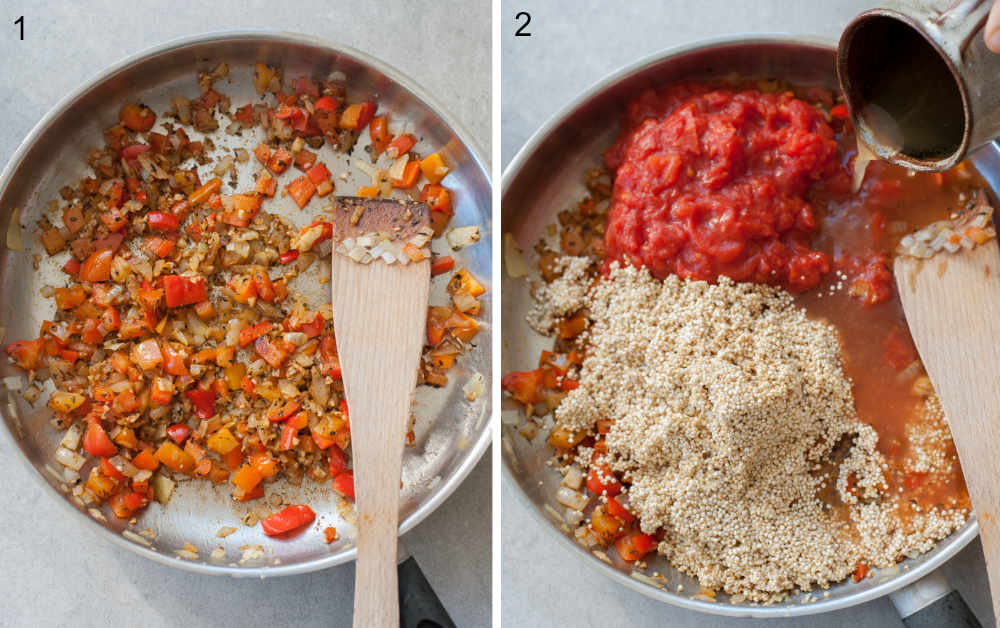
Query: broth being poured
point(878, 128)
point(910, 101)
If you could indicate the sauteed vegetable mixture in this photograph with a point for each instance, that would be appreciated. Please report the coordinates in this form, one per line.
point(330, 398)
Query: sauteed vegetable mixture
point(179, 344)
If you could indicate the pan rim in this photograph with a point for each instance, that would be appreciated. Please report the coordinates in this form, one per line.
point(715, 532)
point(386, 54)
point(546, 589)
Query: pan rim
point(947, 548)
point(475, 452)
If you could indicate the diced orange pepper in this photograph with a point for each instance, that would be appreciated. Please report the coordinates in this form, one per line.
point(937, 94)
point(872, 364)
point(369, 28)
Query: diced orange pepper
point(202, 194)
point(266, 184)
point(280, 161)
point(175, 458)
point(301, 190)
point(434, 168)
point(262, 153)
point(146, 460)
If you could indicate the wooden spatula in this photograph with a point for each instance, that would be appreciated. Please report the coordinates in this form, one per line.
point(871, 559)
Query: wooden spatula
point(380, 313)
point(952, 305)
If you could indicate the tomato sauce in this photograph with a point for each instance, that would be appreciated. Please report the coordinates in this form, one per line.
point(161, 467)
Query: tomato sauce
point(712, 181)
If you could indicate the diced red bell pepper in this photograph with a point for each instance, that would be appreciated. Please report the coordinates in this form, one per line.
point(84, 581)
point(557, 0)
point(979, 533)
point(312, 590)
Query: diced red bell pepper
point(25, 353)
point(301, 190)
point(124, 505)
point(323, 442)
point(403, 143)
point(262, 153)
point(411, 172)
point(279, 161)
point(162, 391)
point(290, 518)
point(326, 103)
point(343, 483)
point(299, 420)
point(287, 440)
point(266, 184)
point(109, 470)
point(378, 130)
point(442, 265)
point(116, 196)
point(272, 352)
point(203, 402)
point(205, 192)
point(338, 461)
point(356, 116)
point(72, 267)
point(162, 221)
point(318, 173)
point(314, 327)
point(304, 159)
point(250, 334)
point(262, 285)
point(96, 441)
point(288, 256)
point(615, 509)
point(601, 480)
point(523, 385)
point(69, 298)
point(97, 267)
point(131, 153)
point(634, 545)
point(160, 247)
point(286, 411)
point(139, 118)
point(178, 433)
point(305, 85)
point(181, 290)
point(437, 197)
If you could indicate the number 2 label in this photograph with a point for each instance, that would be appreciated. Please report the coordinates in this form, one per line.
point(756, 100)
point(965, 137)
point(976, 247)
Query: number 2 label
point(520, 32)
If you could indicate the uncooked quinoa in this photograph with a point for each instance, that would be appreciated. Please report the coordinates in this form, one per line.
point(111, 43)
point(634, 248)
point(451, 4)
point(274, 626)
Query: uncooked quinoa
point(563, 296)
point(725, 403)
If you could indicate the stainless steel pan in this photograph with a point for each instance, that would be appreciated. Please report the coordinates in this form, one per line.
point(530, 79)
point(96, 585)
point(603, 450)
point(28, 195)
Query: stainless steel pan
point(546, 177)
point(451, 433)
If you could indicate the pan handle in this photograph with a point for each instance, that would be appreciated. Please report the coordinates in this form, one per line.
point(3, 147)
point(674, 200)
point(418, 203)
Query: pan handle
point(931, 602)
point(419, 606)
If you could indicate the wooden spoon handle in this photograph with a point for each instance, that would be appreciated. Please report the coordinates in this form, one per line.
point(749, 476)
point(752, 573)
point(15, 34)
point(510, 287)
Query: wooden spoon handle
point(376, 593)
point(380, 314)
point(952, 306)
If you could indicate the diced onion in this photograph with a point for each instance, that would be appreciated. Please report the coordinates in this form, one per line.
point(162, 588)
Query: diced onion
point(474, 387)
point(461, 237)
point(71, 439)
point(573, 517)
point(398, 166)
point(14, 241)
point(573, 478)
point(163, 488)
point(69, 458)
point(288, 389)
point(123, 466)
point(516, 265)
point(571, 499)
point(365, 167)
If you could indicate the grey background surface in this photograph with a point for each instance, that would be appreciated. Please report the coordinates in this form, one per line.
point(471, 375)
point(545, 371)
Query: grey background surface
point(56, 573)
point(573, 45)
